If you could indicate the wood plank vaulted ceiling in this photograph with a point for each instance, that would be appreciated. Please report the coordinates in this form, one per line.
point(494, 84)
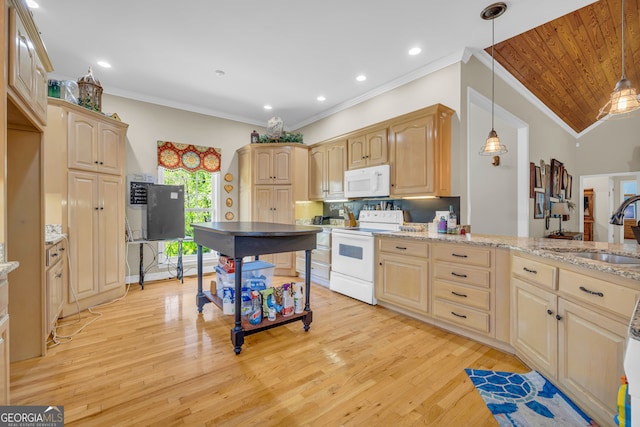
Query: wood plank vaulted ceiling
point(573, 63)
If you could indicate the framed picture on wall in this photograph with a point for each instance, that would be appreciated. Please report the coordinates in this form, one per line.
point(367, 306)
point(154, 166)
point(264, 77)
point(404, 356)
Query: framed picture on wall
point(539, 205)
point(556, 178)
point(538, 178)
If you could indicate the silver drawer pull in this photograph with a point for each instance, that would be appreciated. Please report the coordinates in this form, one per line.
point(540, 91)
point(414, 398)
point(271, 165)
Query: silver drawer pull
point(598, 294)
point(401, 248)
point(458, 255)
point(529, 271)
point(458, 295)
point(458, 275)
point(458, 315)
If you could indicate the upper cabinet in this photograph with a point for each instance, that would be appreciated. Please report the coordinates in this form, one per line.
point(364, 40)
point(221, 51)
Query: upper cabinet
point(28, 65)
point(273, 165)
point(94, 145)
point(368, 149)
point(420, 153)
point(327, 163)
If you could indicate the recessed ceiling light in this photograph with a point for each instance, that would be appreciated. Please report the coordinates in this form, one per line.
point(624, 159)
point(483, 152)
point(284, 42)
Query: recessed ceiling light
point(268, 107)
point(32, 4)
point(104, 64)
point(361, 78)
point(414, 51)
point(321, 98)
point(220, 73)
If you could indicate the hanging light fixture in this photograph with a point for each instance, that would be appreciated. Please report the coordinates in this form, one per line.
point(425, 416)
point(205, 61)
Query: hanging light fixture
point(492, 146)
point(623, 98)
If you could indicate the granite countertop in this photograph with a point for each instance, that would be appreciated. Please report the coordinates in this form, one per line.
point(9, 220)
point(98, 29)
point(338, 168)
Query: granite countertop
point(53, 238)
point(553, 249)
point(8, 267)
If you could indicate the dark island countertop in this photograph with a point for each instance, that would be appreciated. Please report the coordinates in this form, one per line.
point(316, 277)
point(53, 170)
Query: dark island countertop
point(239, 238)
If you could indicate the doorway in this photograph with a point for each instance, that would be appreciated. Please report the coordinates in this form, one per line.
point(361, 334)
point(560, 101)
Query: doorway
point(498, 195)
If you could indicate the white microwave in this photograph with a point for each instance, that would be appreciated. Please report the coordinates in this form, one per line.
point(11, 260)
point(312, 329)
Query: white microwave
point(367, 182)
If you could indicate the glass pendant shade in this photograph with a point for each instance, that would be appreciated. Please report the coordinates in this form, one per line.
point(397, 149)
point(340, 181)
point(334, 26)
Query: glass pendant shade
point(624, 98)
point(492, 146)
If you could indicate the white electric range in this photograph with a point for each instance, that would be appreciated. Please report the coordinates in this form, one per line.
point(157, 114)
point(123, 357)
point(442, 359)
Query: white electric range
point(352, 253)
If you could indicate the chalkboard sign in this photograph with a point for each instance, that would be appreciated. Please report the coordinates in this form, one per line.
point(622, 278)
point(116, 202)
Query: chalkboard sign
point(138, 193)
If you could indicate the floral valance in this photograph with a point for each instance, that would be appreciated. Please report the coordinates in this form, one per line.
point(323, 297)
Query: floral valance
point(173, 155)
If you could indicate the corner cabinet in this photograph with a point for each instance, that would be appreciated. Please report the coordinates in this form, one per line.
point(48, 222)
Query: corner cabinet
point(327, 163)
point(92, 146)
point(272, 177)
point(420, 152)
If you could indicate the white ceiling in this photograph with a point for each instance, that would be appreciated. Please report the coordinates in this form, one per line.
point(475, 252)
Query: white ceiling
point(277, 52)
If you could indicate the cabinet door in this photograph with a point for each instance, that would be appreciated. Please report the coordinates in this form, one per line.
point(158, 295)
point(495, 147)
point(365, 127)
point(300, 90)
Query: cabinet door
point(54, 290)
point(282, 205)
point(377, 148)
point(583, 371)
point(534, 328)
point(282, 170)
point(357, 152)
point(83, 142)
point(110, 238)
point(336, 165)
point(262, 171)
point(22, 58)
point(4, 360)
point(262, 207)
point(403, 280)
point(40, 91)
point(110, 148)
point(412, 157)
point(317, 167)
point(83, 234)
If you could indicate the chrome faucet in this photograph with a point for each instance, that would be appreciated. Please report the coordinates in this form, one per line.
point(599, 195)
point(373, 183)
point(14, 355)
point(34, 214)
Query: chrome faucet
point(618, 216)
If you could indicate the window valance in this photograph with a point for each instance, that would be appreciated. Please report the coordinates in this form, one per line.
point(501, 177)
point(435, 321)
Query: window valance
point(173, 155)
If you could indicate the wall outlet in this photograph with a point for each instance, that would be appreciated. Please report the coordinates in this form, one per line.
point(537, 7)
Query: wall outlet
point(341, 212)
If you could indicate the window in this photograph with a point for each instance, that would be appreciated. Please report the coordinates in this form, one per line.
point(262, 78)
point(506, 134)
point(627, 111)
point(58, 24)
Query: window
point(200, 196)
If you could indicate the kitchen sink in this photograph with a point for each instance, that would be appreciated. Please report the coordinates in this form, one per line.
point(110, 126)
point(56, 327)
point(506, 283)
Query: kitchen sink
point(606, 257)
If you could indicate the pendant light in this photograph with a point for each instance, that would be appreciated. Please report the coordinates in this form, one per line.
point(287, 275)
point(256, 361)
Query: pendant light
point(623, 98)
point(492, 146)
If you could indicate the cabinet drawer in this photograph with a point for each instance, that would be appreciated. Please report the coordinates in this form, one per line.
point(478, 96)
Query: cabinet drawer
point(463, 254)
point(317, 269)
point(462, 295)
point(317, 255)
point(604, 294)
point(534, 271)
point(404, 247)
point(464, 316)
point(463, 274)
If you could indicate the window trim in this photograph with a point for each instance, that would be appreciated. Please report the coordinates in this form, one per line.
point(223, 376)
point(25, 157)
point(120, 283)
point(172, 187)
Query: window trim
point(164, 261)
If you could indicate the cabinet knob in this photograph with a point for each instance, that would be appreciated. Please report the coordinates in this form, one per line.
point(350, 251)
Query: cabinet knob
point(59, 275)
point(102, 163)
point(550, 313)
point(97, 208)
point(96, 162)
point(558, 317)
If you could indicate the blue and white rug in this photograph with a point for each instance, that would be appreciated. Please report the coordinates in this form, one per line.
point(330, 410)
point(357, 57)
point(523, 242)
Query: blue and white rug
point(523, 400)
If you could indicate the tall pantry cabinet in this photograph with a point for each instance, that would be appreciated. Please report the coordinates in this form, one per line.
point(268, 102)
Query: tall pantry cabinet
point(272, 177)
point(91, 147)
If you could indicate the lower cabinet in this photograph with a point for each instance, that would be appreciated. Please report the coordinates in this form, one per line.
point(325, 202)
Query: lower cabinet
point(320, 259)
point(573, 330)
point(402, 273)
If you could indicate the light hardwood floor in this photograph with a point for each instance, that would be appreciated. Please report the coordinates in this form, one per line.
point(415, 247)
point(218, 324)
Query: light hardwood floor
point(151, 359)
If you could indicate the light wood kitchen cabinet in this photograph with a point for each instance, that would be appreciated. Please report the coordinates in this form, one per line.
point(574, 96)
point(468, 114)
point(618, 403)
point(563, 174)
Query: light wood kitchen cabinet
point(368, 149)
point(55, 283)
point(27, 67)
point(272, 177)
point(273, 165)
point(402, 273)
point(534, 328)
point(573, 329)
point(96, 213)
point(320, 259)
point(4, 342)
point(94, 145)
point(420, 153)
point(94, 193)
point(327, 163)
